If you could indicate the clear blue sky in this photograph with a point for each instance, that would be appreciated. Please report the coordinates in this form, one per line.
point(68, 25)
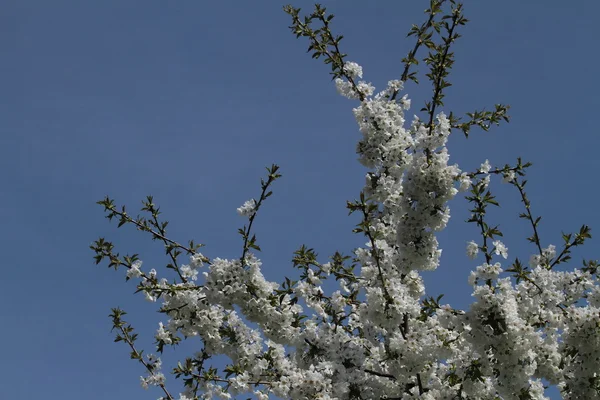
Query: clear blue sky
point(190, 100)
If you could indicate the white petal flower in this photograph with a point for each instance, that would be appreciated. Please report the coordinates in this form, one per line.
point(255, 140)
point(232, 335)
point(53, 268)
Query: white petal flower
point(197, 260)
point(156, 379)
point(485, 167)
point(534, 261)
point(365, 88)
point(346, 89)
point(472, 249)
point(149, 297)
point(549, 252)
point(485, 182)
point(405, 102)
point(162, 334)
point(134, 271)
point(353, 69)
point(189, 272)
point(500, 249)
point(248, 209)
point(260, 395)
point(508, 176)
point(397, 85)
point(465, 182)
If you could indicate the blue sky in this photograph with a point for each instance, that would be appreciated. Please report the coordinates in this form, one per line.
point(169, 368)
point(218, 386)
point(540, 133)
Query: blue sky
point(190, 100)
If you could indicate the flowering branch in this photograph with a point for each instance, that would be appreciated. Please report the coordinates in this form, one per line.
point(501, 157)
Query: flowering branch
point(152, 365)
point(378, 337)
point(251, 208)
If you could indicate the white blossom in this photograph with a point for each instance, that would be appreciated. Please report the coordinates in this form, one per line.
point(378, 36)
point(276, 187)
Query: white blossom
point(134, 271)
point(155, 377)
point(472, 249)
point(197, 260)
point(162, 334)
point(465, 182)
point(353, 69)
point(189, 272)
point(549, 252)
point(485, 182)
point(248, 209)
point(508, 176)
point(500, 249)
point(485, 167)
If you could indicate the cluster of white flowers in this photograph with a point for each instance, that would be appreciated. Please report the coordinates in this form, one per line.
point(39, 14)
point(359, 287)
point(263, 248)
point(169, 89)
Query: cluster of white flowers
point(508, 176)
point(485, 167)
point(134, 271)
point(472, 249)
point(512, 336)
point(485, 272)
point(353, 69)
point(500, 249)
point(163, 335)
point(541, 259)
point(155, 377)
point(465, 182)
point(248, 208)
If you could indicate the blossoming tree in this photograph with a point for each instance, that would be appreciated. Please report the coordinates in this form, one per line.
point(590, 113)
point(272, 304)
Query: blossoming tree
point(378, 336)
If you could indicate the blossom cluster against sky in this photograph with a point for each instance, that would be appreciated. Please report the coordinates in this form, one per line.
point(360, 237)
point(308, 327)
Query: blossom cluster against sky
point(189, 101)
